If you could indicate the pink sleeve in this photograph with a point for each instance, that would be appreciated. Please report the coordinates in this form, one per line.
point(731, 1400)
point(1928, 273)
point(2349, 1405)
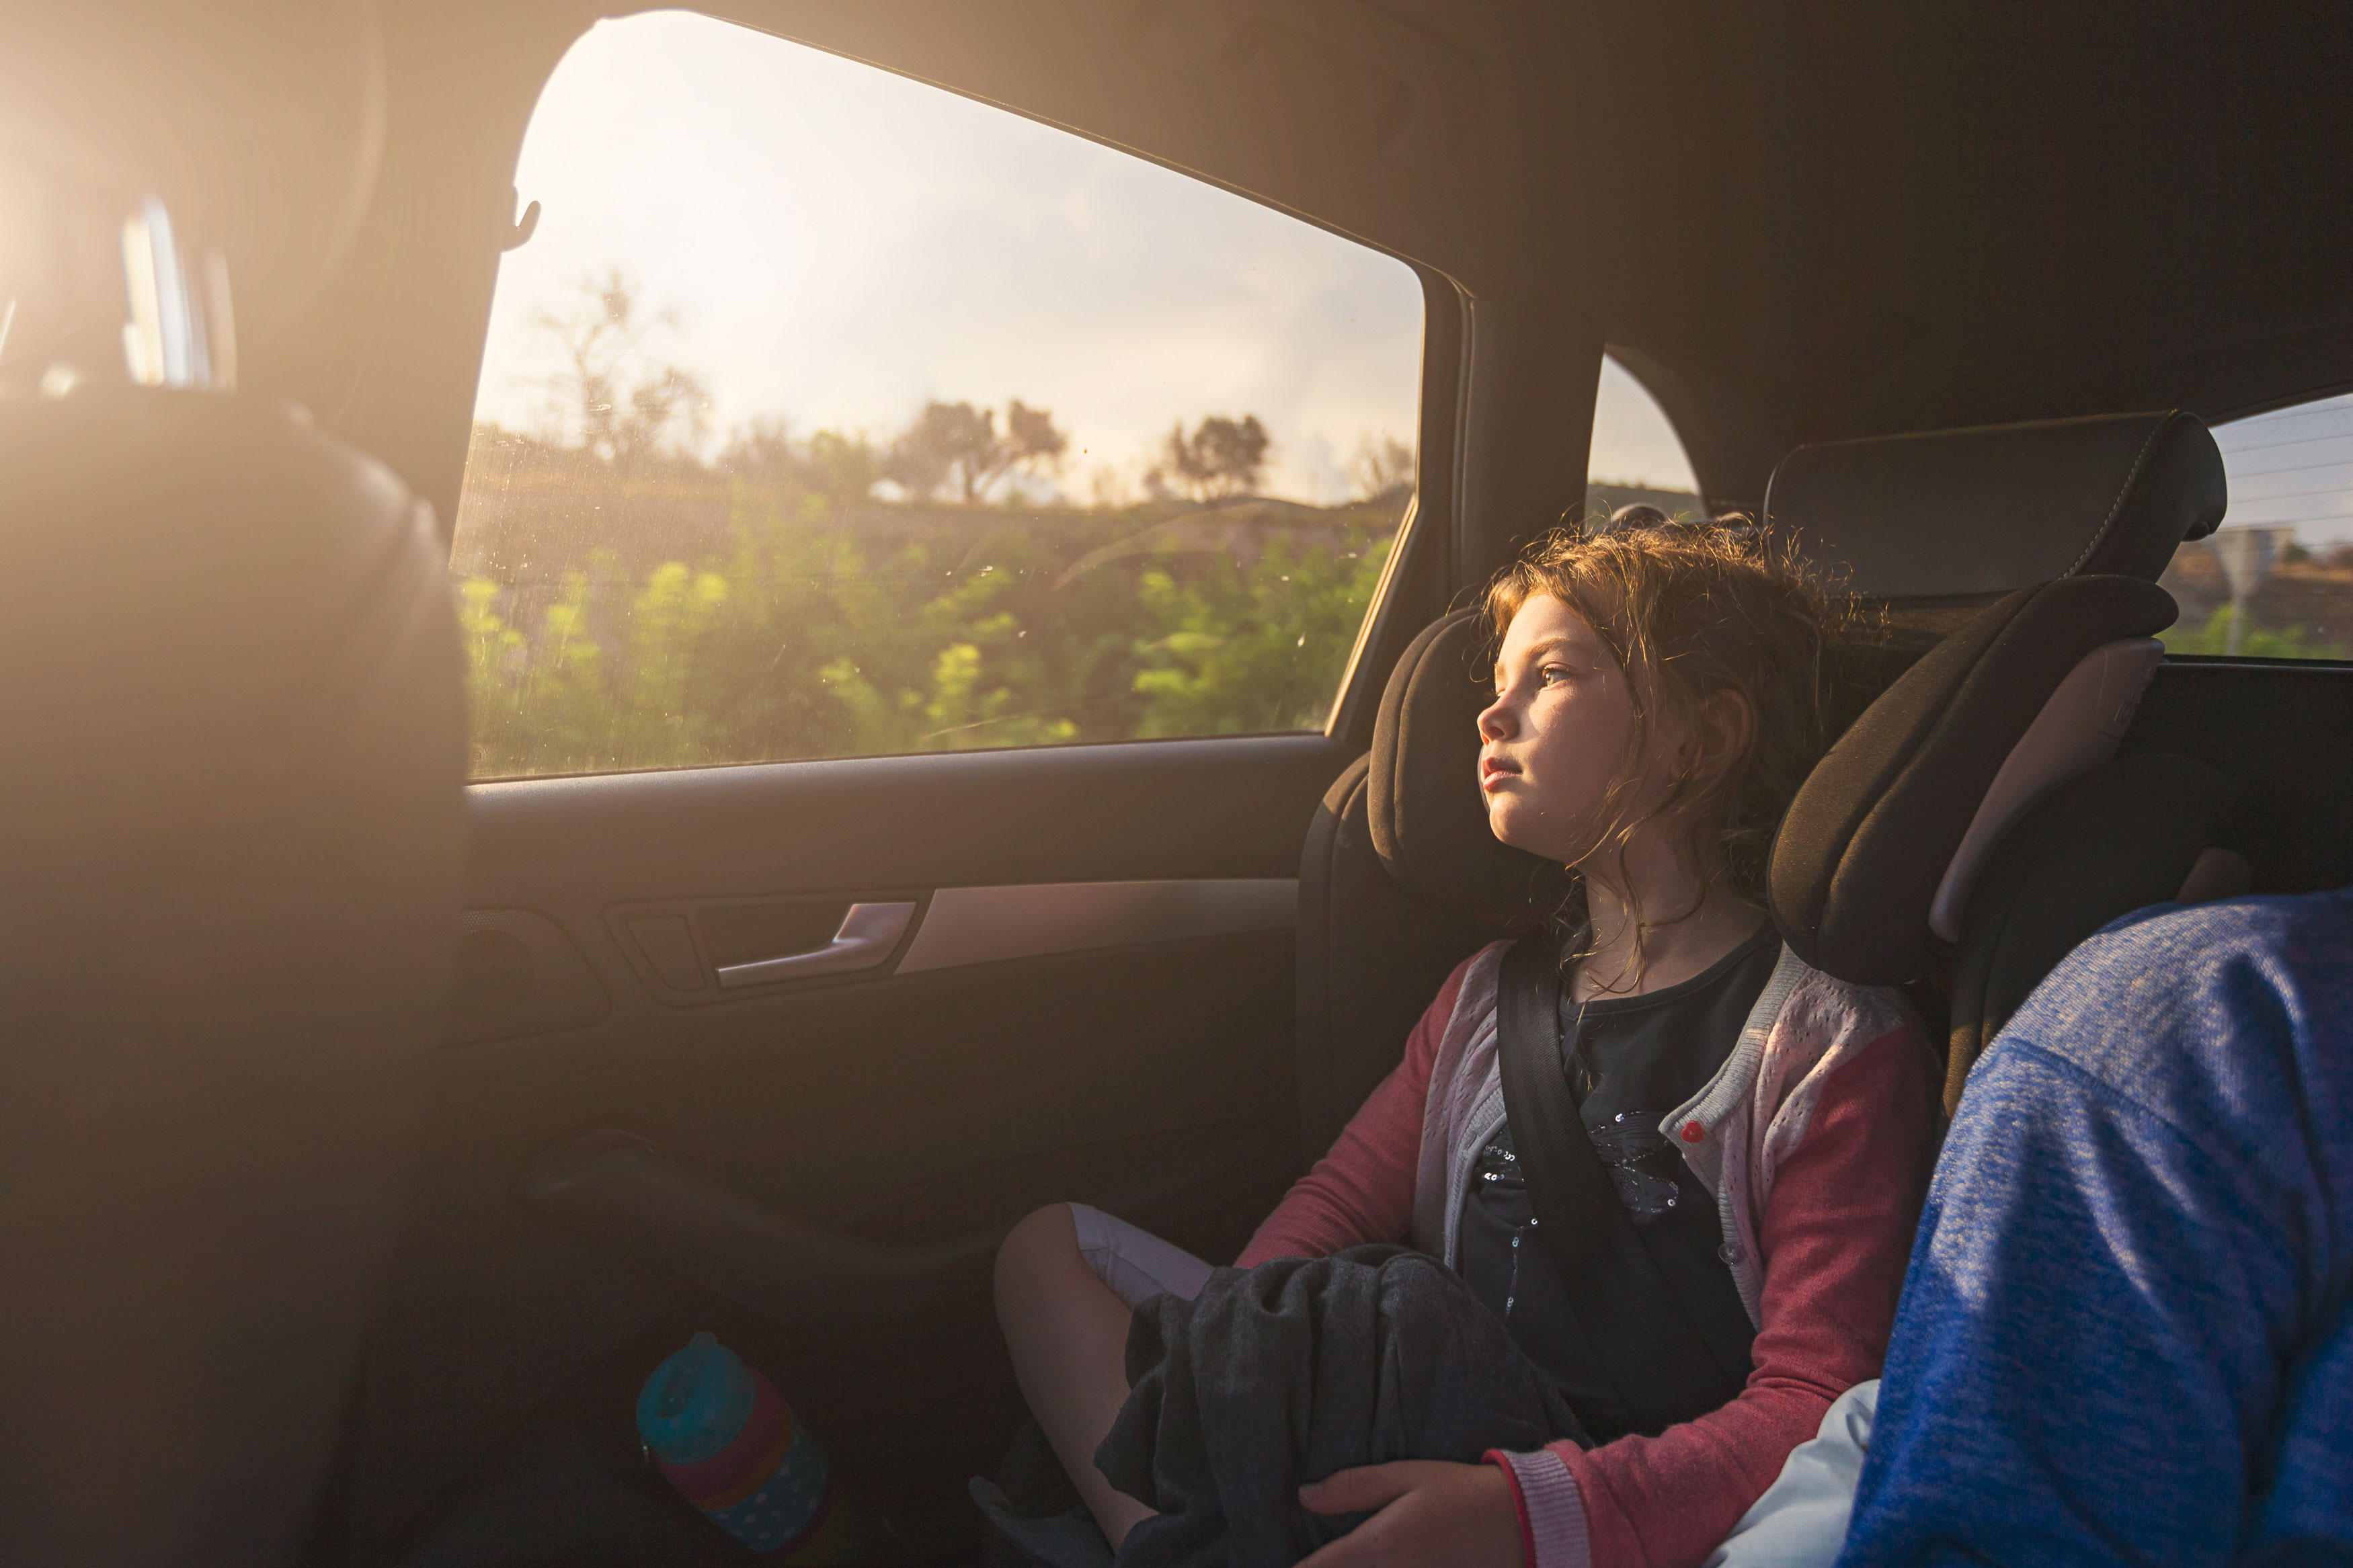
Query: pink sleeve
point(1363, 1190)
point(1836, 1237)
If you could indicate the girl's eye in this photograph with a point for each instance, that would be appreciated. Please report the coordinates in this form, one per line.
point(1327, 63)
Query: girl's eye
point(1549, 676)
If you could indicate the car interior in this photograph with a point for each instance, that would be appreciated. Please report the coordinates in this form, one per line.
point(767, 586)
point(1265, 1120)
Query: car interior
point(378, 1118)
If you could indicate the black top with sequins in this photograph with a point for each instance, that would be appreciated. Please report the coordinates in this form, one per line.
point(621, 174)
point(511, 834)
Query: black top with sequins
point(1630, 1059)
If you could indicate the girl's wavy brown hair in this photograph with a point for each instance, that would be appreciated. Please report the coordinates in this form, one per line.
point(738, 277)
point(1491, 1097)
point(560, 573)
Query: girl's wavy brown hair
point(1698, 608)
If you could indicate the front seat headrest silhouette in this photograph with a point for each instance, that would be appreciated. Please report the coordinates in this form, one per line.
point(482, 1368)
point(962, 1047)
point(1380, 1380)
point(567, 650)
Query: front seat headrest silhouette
point(232, 747)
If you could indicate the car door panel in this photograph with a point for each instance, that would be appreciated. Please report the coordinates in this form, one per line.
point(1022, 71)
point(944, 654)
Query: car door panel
point(1091, 1000)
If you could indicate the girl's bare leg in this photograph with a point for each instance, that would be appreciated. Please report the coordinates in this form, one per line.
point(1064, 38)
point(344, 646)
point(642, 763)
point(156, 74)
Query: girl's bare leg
point(1068, 1334)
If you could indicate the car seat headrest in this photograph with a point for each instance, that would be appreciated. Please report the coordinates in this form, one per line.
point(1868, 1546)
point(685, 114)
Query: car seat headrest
point(1948, 513)
point(1886, 838)
point(1428, 822)
point(258, 124)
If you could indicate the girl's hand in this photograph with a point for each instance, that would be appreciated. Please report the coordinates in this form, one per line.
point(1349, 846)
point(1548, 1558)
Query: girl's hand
point(1431, 1513)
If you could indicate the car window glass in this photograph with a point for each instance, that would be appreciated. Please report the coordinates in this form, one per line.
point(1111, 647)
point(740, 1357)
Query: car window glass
point(2276, 580)
point(828, 414)
point(1636, 454)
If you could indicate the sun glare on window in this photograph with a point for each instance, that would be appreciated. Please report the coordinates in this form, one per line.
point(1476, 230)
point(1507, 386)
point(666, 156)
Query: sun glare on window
point(828, 414)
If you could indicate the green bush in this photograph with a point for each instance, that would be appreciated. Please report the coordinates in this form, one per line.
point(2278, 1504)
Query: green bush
point(813, 638)
point(631, 602)
point(2254, 641)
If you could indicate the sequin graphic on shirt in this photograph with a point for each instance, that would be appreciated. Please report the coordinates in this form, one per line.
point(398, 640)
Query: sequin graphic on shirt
point(1640, 1161)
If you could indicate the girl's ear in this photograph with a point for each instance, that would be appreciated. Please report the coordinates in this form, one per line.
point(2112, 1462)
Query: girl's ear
point(1726, 730)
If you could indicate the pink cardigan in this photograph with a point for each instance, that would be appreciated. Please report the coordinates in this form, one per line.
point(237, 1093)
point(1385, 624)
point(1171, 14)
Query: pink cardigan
point(1818, 1137)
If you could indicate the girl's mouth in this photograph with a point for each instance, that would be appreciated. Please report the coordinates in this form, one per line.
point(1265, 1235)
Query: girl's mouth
point(1492, 773)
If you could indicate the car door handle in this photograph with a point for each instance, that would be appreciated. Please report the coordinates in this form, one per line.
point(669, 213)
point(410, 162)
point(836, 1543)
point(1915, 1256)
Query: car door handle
point(868, 934)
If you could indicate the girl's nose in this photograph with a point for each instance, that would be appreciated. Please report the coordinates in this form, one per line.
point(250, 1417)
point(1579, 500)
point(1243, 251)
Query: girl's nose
point(1494, 722)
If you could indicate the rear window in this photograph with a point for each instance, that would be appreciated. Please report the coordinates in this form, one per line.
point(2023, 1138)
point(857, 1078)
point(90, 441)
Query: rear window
point(2275, 581)
point(828, 414)
point(1636, 456)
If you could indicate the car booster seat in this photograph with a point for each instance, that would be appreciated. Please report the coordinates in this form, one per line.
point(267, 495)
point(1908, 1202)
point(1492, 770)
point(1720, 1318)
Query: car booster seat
point(2011, 569)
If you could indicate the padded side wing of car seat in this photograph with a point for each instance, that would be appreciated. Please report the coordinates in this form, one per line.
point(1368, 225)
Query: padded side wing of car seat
point(1868, 838)
point(1371, 957)
point(2119, 839)
point(1427, 820)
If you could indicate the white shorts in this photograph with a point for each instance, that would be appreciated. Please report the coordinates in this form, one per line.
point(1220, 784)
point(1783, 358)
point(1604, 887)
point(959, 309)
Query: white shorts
point(1136, 1264)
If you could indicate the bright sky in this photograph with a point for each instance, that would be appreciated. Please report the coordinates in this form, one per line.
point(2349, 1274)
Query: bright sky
point(1632, 442)
point(840, 244)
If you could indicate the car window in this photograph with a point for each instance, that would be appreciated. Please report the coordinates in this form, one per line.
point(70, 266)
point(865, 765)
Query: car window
point(1636, 454)
point(828, 414)
point(2276, 580)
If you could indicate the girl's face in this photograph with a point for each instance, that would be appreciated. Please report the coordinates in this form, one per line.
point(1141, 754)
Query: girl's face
point(1556, 735)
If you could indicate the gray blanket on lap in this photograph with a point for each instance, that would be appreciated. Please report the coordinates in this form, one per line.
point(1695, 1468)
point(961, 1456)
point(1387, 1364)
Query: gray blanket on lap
point(1286, 1373)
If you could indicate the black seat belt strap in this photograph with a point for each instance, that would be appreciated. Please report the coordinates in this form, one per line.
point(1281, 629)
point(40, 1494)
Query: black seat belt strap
point(1661, 1366)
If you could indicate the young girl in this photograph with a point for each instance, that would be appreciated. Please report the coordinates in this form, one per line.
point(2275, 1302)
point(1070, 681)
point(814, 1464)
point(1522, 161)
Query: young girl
point(1769, 1129)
